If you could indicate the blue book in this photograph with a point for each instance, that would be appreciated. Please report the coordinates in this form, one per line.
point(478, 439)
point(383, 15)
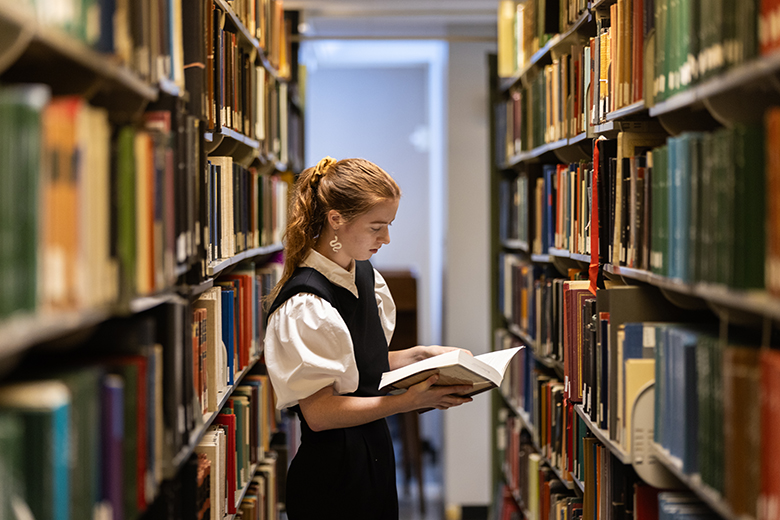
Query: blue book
point(44, 407)
point(691, 404)
point(672, 171)
point(227, 331)
point(113, 434)
point(603, 377)
point(549, 205)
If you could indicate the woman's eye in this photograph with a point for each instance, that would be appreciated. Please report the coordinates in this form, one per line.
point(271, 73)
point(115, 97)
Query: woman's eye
point(375, 230)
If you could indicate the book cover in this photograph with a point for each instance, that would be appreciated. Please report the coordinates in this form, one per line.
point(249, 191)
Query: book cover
point(456, 367)
point(45, 409)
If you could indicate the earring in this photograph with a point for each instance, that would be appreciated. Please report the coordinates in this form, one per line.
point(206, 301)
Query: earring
point(335, 244)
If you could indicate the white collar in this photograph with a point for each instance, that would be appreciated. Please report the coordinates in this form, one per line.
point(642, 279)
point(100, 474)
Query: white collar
point(332, 271)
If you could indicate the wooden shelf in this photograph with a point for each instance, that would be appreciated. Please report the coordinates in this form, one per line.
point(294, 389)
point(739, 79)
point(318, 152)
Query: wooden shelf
point(555, 364)
point(523, 335)
point(248, 39)
point(218, 266)
point(252, 471)
point(580, 257)
point(757, 302)
point(560, 253)
point(707, 494)
point(21, 331)
point(197, 435)
point(541, 258)
point(632, 110)
point(521, 245)
point(525, 419)
point(144, 303)
point(517, 498)
point(603, 436)
point(579, 138)
point(540, 56)
point(49, 55)
point(601, 4)
point(758, 70)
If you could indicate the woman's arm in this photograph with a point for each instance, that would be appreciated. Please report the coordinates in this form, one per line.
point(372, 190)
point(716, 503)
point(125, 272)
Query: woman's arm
point(401, 358)
point(326, 410)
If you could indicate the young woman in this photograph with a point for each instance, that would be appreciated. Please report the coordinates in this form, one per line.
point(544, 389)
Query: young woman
point(329, 326)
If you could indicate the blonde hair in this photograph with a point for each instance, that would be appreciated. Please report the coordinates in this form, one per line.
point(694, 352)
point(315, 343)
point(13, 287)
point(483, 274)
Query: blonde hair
point(350, 186)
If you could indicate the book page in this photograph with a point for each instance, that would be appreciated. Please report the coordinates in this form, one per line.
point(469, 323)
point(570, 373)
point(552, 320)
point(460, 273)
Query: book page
point(499, 359)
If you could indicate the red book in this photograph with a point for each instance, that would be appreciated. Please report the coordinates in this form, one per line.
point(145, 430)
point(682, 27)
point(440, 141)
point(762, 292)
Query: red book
point(645, 502)
point(638, 47)
point(767, 39)
point(229, 421)
point(769, 497)
point(574, 293)
point(244, 316)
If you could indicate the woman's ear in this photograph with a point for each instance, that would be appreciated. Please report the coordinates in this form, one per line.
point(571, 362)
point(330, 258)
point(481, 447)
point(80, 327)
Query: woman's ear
point(335, 219)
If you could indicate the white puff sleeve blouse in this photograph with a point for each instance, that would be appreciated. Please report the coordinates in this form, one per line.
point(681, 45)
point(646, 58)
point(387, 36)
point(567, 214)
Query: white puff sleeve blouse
point(307, 343)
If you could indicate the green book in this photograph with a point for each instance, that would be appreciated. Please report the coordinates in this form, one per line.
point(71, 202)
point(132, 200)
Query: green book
point(84, 387)
point(725, 180)
point(12, 462)
point(20, 134)
point(124, 208)
point(750, 207)
point(45, 408)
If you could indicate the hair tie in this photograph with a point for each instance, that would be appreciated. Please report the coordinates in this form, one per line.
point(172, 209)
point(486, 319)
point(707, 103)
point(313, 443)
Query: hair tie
point(321, 169)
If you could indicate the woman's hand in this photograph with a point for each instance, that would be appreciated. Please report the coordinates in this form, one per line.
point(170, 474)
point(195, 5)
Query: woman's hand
point(425, 395)
point(401, 358)
point(435, 350)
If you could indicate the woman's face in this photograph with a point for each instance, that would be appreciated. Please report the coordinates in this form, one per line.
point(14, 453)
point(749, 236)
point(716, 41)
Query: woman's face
point(363, 236)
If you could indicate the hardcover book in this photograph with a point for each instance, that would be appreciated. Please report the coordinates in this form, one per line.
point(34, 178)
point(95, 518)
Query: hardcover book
point(456, 367)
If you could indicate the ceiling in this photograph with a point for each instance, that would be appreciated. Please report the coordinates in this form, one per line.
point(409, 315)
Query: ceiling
point(397, 19)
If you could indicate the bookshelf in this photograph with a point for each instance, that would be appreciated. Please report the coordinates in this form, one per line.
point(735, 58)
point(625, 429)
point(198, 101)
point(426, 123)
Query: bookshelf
point(636, 127)
point(133, 265)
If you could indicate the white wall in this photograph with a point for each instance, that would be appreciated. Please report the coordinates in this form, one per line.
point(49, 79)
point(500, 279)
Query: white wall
point(384, 101)
point(467, 431)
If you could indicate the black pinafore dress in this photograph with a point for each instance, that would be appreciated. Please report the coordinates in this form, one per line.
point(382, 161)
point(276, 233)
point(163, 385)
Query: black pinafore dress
point(345, 473)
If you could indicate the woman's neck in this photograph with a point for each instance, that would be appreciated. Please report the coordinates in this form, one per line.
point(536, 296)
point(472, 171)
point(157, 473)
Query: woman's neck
point(322, 247)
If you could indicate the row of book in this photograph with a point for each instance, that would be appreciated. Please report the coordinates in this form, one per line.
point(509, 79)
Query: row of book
point(696, 208)
point(93, 213)
point(725, 426)
point(234, 446)
point(642, 50)
point(531, 299)
point(526, 26)
point(154, 37)
point(245, 209)
point(97, 430)
point(541, 460)
point(228, 83)
point(613, 346)
point(229, 328)
point(549, 107)
point(535, 485)
point(87, 207)
point(695, 40)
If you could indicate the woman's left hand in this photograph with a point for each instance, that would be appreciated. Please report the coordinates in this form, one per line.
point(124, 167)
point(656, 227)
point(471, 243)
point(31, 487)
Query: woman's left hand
point(401, 358)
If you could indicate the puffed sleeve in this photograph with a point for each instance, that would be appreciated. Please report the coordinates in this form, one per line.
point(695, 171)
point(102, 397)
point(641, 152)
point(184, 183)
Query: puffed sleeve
point(308, 347)
point(386, 304)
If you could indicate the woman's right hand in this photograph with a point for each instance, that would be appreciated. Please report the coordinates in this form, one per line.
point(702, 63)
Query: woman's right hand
point(426, 395)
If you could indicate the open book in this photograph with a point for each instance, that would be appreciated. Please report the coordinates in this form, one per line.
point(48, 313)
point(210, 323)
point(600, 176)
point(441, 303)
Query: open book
point(456, 367)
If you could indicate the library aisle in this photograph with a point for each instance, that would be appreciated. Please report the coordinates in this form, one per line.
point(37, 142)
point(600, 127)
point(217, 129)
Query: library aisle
point(147, 152)
point(635, 254)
